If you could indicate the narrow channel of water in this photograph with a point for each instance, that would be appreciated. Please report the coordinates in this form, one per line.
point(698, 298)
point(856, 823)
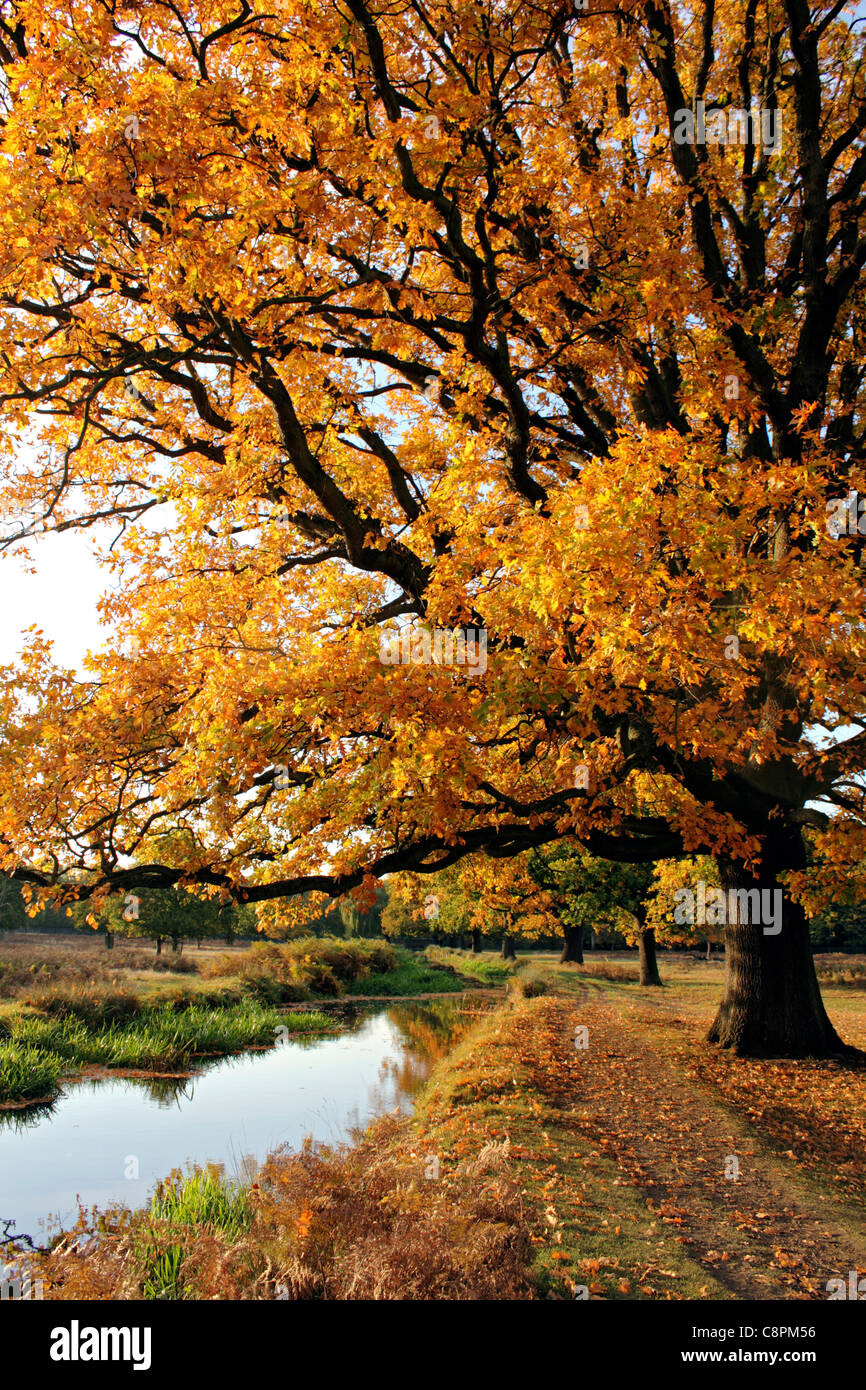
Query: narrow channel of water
point(112, 1140)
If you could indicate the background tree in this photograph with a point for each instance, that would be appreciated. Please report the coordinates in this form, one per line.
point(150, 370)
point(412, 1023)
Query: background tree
point(505, 899)
point(425, 907)
point(13, 914)
point(840, 927)
point(629, 888)
point(667, 879)
point(311, 914)
point(589, 892)
point(363, 919)
point(477, 897)
point(162, 914)
point(440, 316)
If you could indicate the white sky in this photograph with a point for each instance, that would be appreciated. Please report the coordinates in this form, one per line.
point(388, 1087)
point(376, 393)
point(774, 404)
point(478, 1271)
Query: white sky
point(60, 597)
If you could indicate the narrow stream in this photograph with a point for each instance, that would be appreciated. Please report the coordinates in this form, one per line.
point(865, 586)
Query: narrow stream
point(111, 1140)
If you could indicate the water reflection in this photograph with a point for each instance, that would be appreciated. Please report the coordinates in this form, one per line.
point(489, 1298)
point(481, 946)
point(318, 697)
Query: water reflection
point(27, 1115)
point(110, 1140)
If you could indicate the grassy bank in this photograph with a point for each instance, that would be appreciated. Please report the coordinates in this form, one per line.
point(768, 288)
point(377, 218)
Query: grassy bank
point(413, 974)
point(482, 969)
point(461, 1202)
point(532, 1168)
point(38, 1048)
point(293, 971)
point(328, 967)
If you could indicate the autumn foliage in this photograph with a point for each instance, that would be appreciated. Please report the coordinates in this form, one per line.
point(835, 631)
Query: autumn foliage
point(348, 318)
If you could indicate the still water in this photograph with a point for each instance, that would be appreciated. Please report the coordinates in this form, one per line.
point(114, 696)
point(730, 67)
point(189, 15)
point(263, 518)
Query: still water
point(89, 1144)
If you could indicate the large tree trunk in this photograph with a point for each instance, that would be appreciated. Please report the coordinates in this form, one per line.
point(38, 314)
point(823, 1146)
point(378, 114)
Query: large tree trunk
point(159, 945)
point(508, 952)
point(109, 941)
point(772, 1003)
point(476, 941)
point(572, 946)
point(649, 967)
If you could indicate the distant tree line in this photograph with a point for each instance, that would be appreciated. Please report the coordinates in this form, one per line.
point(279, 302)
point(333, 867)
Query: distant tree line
point(556, 898)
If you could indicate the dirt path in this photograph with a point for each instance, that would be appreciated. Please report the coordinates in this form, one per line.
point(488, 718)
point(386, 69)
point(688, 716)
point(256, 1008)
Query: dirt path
point(764, 1234)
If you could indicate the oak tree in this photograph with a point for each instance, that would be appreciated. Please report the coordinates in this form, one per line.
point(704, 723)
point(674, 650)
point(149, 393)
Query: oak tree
point(534, 332)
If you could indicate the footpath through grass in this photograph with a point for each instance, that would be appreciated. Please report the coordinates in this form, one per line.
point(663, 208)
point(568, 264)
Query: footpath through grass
point(542, 1161)
point(512, 1093)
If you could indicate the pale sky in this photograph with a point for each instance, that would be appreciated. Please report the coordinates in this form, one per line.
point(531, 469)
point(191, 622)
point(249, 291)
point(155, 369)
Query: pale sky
point(61, 597)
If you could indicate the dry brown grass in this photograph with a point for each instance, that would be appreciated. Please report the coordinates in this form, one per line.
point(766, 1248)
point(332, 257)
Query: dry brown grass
point(29, 962)
point(357, 1222)
point(844, 970)
point(608, 970)
point(528, 984)
point(292, 970)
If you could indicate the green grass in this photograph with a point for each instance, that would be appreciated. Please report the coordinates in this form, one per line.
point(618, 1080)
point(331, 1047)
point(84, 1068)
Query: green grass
point(200, 1199)
point(26, 1073)
point(40, 1050)
point(158, 1038)
point(486, 969)
point(413, 975)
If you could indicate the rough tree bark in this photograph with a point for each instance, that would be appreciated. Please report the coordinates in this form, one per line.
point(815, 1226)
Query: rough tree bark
point(772, 1003)
point(508, 952)
point(476, 941)
point(572, 946)
point(649, 968)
